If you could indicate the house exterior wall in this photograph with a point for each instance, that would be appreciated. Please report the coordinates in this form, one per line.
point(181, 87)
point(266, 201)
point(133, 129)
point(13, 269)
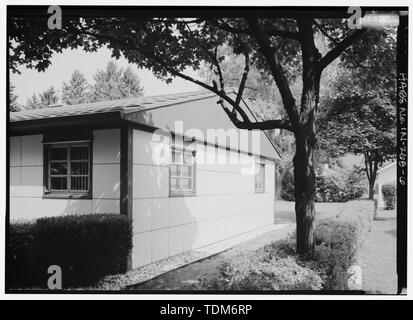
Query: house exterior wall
point(225, 203)
point(387, 175)
point(26, 178)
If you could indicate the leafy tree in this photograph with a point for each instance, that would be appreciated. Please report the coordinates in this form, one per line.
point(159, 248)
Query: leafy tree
point(77, 91)
point(114, 83)
point(43, 100)
point(360, 118)
point(32, 103)
point(130, 84)
point(168, 46)
point(13, 106)
point(363, 124)
point(48, 98)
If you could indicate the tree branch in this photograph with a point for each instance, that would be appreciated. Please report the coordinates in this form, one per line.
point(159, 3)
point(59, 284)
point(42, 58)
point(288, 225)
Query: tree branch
point(243, 79)
point(338, 49)
point(270, 32)
point(276, 70)
point(245, 124)
point(325, 33)
point(257, 125)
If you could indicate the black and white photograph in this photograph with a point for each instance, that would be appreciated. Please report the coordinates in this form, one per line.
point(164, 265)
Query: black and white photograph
point(206, 150)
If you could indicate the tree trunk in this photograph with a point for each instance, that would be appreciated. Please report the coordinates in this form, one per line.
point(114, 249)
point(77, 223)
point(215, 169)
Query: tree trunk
point(371, 190)
point(304, 182)
point(371, 171)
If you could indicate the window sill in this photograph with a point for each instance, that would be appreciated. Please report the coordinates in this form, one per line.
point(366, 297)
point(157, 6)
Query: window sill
point(66, 196)
point(182, 194)
point(260, 191)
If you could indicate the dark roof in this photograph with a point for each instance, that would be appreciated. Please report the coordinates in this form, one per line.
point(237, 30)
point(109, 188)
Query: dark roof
point(125, 105)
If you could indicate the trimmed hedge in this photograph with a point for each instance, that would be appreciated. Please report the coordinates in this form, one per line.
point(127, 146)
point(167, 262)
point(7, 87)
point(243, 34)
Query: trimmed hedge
point(86, 247)
point(389, 195)
point(21, 272)
point(338, 241)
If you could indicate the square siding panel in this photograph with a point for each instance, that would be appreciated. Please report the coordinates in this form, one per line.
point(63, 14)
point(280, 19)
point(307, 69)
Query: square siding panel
point(141, 251)
point(32, 150)
point(160, 213)
point(22, 208)
point(142, 153)
point(106, 206)
point(31, 182)
point(159, 243)
point(15, 151)
point(142, 181)
point(176, 240)
point(15, 180)
point(150, 148)
point(106, 146)
point(190, 236)
point(142, 215)
point(179, 213)
point(160, 181)
point(106, 181)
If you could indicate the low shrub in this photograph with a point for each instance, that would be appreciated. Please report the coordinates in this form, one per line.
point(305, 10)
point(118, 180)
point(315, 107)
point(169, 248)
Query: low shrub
point(389, 195)
point(268, 268)
point(330, 187)
point(338, 187)
point(86, 247)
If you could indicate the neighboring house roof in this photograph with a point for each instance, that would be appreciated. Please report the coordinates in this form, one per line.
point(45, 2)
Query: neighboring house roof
point(155, 112)
point(386, 167)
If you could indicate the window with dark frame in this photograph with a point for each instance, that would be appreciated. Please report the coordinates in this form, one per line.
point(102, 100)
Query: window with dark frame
point(260, 178)
point(182, 171)
point(68, 168)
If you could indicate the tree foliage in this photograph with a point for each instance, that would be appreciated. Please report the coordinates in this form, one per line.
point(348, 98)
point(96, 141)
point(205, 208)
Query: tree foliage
point(360, 117)
point(77, 90)
point(110, 83)
point(45, 99)
point(13, 105)
point(116, 83)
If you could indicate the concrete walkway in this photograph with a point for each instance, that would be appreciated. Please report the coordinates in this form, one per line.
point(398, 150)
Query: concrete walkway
point(378, 258)
point(209, 267)
point(285, 210)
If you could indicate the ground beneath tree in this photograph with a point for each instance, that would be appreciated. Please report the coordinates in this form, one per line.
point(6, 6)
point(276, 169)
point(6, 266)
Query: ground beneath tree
point(209, 267)
point(378, 258)
point(285, 214)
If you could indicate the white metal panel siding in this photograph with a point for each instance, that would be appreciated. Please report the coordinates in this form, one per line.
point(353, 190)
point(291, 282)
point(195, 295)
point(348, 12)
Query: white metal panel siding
point(225, 204)
point(26, 179)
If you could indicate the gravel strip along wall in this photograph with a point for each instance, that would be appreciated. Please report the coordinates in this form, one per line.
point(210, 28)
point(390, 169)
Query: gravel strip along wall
point(150, 271)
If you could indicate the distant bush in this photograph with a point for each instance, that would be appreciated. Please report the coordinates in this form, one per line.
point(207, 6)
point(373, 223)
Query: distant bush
point(86, 247)
point(389, 195)
point(287, 187)
point(330, 187)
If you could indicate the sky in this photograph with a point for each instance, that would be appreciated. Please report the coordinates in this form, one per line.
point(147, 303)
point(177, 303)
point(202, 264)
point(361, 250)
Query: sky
point(63, 64)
